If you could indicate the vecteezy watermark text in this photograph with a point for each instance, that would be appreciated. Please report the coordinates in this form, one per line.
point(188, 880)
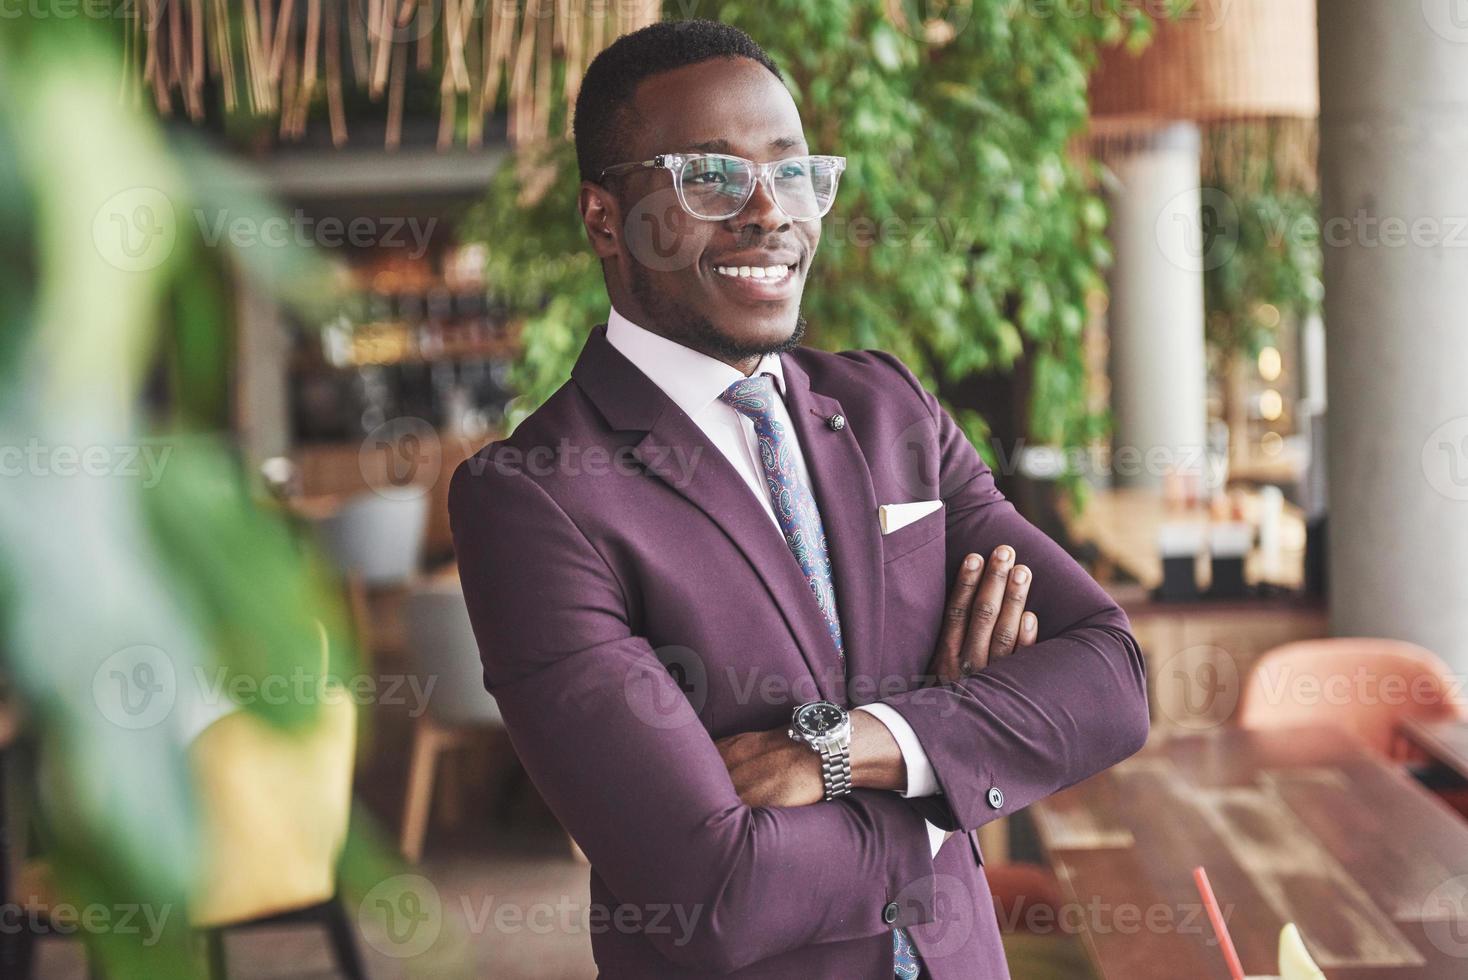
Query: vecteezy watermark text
point(301, 230)
point(132, 461)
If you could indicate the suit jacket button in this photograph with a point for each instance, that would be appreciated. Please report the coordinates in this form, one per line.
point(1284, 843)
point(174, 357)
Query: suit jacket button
point(996, 797)
point(889, 914)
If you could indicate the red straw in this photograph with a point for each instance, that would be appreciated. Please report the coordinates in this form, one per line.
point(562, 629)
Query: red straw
point(1200, 878)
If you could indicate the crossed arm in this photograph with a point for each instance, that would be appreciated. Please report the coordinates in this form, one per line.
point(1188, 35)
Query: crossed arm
point(984, 619)
point(586, 705)
point(619, 755)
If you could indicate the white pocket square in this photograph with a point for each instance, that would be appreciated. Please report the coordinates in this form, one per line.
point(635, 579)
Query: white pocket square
point(895, 516)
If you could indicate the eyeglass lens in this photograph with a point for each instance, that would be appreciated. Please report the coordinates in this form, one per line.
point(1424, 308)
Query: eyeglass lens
point(718, 186)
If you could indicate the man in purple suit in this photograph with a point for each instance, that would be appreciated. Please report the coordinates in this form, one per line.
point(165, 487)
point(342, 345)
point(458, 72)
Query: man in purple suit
point(753, 613)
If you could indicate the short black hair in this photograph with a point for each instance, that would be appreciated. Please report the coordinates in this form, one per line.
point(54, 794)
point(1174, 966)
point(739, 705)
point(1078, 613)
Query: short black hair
point(604, 102)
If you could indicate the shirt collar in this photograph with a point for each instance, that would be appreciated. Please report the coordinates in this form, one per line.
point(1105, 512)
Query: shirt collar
point(692, 379)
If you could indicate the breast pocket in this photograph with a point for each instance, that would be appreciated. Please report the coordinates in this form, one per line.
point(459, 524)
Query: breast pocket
point(912, 575)
point(920, 532)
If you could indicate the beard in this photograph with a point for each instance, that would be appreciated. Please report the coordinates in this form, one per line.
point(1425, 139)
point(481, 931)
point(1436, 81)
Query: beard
point(676, 322)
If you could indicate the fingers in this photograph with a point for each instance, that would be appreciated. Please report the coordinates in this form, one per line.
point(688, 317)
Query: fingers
point(984, 613)
point(738, 749)
point(1011, 613)
point(1029, 630)
point(955, 620)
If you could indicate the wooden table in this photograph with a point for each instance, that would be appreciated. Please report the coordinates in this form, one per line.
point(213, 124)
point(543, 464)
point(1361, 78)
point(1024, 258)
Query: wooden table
point(1445, 742)
point(1300, 825)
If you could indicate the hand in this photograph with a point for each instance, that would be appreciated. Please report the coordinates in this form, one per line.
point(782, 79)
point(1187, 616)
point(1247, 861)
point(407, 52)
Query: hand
point(771, 769)
point(985, 616)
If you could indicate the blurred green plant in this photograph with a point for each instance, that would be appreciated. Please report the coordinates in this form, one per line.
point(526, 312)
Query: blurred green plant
point(967, 237)
point(134, 549)
point(1272, 278)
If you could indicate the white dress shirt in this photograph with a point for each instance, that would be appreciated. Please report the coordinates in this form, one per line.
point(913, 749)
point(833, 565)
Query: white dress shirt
point(694, 381)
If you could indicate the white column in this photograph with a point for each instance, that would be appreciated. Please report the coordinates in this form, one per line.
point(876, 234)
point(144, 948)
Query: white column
point(262, 372)
point(1394, 169)
point(1163, 238)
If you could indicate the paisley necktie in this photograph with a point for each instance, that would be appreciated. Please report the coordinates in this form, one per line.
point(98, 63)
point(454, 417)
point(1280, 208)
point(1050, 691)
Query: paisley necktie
point(800, 521)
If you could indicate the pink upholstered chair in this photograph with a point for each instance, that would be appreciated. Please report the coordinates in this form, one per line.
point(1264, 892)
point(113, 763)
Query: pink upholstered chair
point(1364, 685)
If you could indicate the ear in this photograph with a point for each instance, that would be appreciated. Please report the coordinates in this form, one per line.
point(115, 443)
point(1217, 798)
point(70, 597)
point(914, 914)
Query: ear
point(601, 215)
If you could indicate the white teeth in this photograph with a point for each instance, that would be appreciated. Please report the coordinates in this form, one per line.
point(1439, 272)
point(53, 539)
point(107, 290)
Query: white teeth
point(753, 272)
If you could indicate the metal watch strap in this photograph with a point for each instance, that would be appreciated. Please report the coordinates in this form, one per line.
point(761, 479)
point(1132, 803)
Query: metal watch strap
point(836, 771)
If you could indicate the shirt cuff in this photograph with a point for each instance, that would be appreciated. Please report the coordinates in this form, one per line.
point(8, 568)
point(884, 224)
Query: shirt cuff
point(921, 780)
point(937, 837)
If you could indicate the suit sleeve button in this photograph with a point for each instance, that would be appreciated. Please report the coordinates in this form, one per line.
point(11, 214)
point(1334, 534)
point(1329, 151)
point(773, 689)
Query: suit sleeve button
point(889, 914)
point(996, 797)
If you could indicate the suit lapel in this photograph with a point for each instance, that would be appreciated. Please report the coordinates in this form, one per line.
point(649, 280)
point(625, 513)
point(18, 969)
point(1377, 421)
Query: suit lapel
point(842, 483)
point(631, 401)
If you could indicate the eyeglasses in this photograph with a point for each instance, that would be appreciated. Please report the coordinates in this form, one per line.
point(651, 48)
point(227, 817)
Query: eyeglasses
point(715, 186)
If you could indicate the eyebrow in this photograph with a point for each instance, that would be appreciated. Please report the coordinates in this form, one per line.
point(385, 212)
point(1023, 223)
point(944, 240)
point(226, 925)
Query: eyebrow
point(722, 145)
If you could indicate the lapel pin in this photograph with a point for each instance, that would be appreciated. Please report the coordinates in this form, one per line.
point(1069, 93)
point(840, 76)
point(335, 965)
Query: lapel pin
point(837, 422)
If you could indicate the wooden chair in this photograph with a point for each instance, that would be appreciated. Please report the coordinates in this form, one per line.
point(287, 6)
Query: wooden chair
point(1366, 686)
point(440, 640)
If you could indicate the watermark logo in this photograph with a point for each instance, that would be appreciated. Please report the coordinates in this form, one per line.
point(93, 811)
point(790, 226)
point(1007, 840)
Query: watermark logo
point(1198, 688)
point(1198, 231)
point(401, 458)
point(135, 229)
point(687, 670)
point(660, 704)
point(913, 463)
point(948, 924)
point(1444, 916)
point(930, 21)
point(135, 688)
point(398, 23)
point(1448, 19)
point(402, 917)
point(1445, 459)
point(659, 233)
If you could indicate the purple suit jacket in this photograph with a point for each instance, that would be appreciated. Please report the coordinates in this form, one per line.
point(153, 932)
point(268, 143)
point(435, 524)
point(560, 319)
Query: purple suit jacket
point(633, 602)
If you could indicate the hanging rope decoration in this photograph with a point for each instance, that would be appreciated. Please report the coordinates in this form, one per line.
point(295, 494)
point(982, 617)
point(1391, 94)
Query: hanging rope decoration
point(1248, 154)
point(1246, 71)
point(274, 57)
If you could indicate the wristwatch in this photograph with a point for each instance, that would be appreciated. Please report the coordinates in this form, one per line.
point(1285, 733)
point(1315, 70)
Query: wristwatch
point(826, 727)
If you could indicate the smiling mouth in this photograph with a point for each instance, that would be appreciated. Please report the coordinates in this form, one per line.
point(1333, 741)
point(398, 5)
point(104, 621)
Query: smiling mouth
point(766, 273)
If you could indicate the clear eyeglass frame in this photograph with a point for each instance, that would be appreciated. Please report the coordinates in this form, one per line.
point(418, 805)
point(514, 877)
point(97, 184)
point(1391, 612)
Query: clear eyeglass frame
point(675, 163)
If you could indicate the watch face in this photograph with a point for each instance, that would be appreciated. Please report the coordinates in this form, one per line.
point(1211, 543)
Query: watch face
point(818, 718)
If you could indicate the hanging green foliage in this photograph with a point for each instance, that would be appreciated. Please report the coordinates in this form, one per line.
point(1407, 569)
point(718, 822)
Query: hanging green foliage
point(1259, 179)
point(966, 238)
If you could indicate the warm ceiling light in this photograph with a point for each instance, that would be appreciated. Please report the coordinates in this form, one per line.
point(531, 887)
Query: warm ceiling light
point(1270, 363)
point(1271, 405)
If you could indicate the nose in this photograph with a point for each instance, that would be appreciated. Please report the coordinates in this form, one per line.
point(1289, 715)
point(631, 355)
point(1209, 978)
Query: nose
point(760, 213)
